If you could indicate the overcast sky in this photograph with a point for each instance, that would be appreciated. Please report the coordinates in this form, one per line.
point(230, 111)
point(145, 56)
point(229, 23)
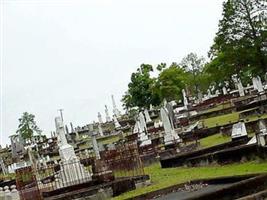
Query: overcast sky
point(75, 54)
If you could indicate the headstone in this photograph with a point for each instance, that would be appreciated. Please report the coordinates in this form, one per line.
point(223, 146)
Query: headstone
point(143, 137)
point(185, 98)
point(3, 167)
point(108, 119)
point(209, 94)
point(99, 118)
point(71, 170)
point(148, 119)
point(95, 146)
point(66, 151)
point(170, 135)
point(239, 131)
point(169, 108)
point(257, 84)
point(225, 91)
point(239, 85)
point(67, 129)
point(71, 127)
point(116, 122)
point(116, 112)
point(100, 130)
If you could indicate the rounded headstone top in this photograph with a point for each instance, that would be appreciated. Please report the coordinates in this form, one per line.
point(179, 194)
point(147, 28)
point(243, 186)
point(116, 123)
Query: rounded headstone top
point(13, 187)
point(1, 189)
point(6, 188)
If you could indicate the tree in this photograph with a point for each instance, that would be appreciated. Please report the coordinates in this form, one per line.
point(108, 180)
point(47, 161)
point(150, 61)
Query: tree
point(140, 89)
point(170, 82)
point(27, 126)
point(194, 65)
point(240, 43)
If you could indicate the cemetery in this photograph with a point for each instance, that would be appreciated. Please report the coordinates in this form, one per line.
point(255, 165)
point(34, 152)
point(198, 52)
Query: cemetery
point(123, 157)
point(193, 130)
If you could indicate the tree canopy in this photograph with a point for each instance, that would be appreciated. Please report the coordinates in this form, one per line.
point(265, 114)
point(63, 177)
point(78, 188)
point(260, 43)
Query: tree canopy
point(27, 126)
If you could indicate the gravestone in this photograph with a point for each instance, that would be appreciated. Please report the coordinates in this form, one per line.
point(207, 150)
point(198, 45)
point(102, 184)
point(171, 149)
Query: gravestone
point(71, 170)
point(116, 112)
point(170, 135)
point(262, 136)
point(116, 122)
point(148, 119)
point(100, 130)
point(99, 118)
point(224, 91)
point(108, 119)
point(143, 137)
point(185, 98)
point(239, 131)
point(257, 84)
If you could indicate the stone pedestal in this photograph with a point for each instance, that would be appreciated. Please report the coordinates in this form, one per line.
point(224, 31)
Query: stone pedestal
point(143, 138)
point(171, 138)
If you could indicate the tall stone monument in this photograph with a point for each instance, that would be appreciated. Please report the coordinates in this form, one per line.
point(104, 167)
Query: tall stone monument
point(116, 122)
point(143, 137)
point(99, 118)
point(185, 98)
point(71, 170)
point(100, 130)
point(170, 135)
point(116, 111)
point(108, 119)
point(148, 119)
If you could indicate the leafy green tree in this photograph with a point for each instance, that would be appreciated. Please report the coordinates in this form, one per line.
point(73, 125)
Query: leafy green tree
point(171, 81)
point(140, 89)
point(240, 43)
point(27, 126)
point(194, 65)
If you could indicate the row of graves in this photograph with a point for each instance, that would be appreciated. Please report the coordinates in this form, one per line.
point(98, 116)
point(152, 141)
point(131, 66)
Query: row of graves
point(169, 134)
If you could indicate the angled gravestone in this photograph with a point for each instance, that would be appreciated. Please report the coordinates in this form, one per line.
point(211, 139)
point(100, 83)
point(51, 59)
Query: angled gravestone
point(116, 122)
point(108, 119)
point(170, 135)
point(116, 111)
point(257, 84)
point(239, 131)
point(148, 119)
point(100, 130)
point(185, 99)
point(143, 137)
point(99, 116)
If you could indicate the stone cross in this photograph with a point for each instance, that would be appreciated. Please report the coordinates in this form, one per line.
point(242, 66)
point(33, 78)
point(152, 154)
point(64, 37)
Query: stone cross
point(66, 151)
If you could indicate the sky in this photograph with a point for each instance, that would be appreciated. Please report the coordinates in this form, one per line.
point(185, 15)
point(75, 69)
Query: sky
point(74, 54)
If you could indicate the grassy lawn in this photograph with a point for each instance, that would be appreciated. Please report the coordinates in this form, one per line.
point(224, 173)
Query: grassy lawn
point(162, 178)
point(109, 139)
point(214, 140)
point(221, 120)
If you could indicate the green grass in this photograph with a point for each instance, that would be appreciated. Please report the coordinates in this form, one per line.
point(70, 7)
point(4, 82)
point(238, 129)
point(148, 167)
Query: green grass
point(214, 140)
point(218, 107)
point(162, 178)
point(108, 140)
point(221, 120)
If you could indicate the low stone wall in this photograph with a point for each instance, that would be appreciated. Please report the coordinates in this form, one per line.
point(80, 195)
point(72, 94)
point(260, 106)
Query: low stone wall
point(181, 159)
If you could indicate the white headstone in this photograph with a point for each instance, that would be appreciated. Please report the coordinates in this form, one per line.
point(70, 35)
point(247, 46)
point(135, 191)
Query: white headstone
point(116, 112)
point(100, 130)
point(148, 119)
point(99, 118)
point(108, 119)
point(66, 151)
point(116, 122)
point(170, 135)
point(143, 137)
point(239, 130)
point(185, 98)
point(225, 91)
point(257, 84)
